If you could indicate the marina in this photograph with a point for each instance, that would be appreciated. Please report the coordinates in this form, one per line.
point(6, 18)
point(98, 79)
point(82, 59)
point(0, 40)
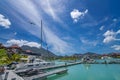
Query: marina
point(44, 75)
point(59, 39)
point(90, 72)
point(11, 75)
point(49, 67)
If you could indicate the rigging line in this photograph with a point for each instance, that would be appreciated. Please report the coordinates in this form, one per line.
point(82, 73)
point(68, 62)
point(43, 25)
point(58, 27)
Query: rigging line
point(41, 33)
point(44, 38)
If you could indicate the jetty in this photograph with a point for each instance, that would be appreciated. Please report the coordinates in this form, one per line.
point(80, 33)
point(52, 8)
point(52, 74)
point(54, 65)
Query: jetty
point(11, 75)
point(44, 75)
point(50, 67)
point(37, 73)
point(60, 66)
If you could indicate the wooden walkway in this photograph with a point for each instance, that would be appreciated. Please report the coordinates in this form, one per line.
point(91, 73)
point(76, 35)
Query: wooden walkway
point(44, 75)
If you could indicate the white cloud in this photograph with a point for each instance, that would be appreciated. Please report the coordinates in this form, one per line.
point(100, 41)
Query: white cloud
point(118, 32)
point(109, 39)
point(109, 33)
point(102, 27)
point(116, 47)
point(33, 44)
point(52, 8)
point(4, 22)
point(114, 19)
point(22, 42)
point(76, 14)
point(55, 9)
point(15, 33)
point(58, 45)
point(110, 36)
point(32, 12)
point(87, 42)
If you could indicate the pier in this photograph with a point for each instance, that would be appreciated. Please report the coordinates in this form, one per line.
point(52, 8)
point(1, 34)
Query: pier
point(51, 67)
point(60, 66)
point(11, 75)
point(44, 75)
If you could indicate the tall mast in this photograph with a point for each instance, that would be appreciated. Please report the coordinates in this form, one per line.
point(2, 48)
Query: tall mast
point(41, 33)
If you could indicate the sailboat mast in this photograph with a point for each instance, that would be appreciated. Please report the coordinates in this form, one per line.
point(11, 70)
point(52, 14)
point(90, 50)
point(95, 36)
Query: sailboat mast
point(41, 33)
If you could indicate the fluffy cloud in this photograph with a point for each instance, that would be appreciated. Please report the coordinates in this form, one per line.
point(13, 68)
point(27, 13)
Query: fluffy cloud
point(110, 36)
point(109, 33)
point(101, 28)
point(22, 42)
point(4, 22)
point(116, 47)
point(76, 14)
point(109, 39)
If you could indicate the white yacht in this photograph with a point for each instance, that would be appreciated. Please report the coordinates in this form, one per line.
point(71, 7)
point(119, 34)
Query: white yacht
point(37, 63)
point(33, 62)
point(87, 59)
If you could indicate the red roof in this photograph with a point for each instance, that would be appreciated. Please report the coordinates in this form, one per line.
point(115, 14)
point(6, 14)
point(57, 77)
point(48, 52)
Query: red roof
point(15, 46)
point(28, 51)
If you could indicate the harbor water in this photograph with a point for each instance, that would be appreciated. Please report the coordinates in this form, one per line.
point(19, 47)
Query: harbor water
point(90, 72)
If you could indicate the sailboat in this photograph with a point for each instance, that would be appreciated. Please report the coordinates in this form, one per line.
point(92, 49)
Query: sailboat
point(37, 62)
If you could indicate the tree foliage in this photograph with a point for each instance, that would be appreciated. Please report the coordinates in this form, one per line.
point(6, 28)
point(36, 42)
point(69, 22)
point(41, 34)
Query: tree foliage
point(6, 58)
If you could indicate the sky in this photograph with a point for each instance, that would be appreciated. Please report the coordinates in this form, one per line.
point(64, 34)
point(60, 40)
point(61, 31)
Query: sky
point(69, 26)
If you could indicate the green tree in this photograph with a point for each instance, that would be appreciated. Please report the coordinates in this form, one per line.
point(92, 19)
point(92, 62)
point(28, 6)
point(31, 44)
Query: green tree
point(3, 56)
point(6, 59)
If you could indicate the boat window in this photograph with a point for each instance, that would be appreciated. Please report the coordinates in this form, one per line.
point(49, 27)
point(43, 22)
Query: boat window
point(48, 63)
point(36, 64)
point(30, 65)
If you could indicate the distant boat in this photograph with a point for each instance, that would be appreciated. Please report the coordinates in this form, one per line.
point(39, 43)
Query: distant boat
point(87, 59)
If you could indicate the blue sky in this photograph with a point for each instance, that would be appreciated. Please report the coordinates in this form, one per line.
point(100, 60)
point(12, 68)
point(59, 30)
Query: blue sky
point(70, 26)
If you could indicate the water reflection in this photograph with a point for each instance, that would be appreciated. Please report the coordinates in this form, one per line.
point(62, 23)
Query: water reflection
point(87, 66)
point(54, 77)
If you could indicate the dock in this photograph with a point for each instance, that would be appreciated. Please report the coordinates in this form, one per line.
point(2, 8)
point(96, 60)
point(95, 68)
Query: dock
point(59, 66)
point(51, 67)
point(44, 75)
point(11, 75)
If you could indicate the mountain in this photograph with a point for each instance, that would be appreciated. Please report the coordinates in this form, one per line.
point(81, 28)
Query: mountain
point(90, 54)
point(38, 51)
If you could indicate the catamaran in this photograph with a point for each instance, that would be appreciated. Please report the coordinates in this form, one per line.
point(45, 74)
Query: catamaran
point(36, 63)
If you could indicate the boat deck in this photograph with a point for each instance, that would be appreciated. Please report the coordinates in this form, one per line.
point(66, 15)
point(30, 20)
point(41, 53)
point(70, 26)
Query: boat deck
point(44, 75)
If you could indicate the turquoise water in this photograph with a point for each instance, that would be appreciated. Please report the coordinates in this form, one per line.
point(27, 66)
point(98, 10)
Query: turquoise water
point(90, 72)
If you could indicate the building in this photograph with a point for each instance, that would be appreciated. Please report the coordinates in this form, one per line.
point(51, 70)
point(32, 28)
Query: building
point(14, 49)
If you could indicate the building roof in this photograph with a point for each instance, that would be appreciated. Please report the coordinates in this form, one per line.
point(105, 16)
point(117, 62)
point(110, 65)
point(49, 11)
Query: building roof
point(28, 51)
point(14, 46)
